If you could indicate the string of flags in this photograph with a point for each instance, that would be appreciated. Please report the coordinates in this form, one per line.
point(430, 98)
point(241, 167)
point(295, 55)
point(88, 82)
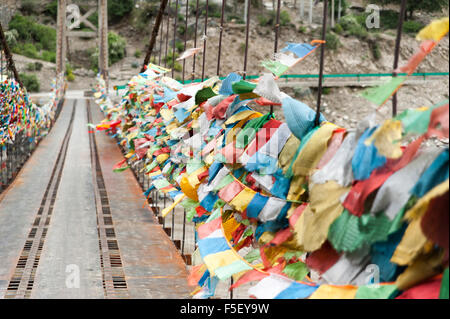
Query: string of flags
point(304, 211)
point(19, 114)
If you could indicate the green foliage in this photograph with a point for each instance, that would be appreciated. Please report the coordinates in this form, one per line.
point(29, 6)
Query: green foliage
point(69, 74)
point(144, 15)
point(137, 54)
point(417, 5)
point(49, 56)
point(263, 20)
point(412, 26)
point(285, 19)
point(242, 48)
point(388, 19)
point(179, 46)
point(29, 7)
point(214, 9)
point(302, 29)
point(116, 47)
point(36, 66)
point(338, 29)
point(11, 37)
point(354, 25)
point(375, 48)
point(117, 9)
point(30, 82)
point(134, 65)
point(116, 51)
point(51, 9)
point(31, 32)
point(93, 54)
point(344, 7)
point(30, 67)
point(236, 18)
point(332, 41)
point(93, 18)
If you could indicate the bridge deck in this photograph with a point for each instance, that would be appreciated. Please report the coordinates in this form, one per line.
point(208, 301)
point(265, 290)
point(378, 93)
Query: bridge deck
point(71, 228)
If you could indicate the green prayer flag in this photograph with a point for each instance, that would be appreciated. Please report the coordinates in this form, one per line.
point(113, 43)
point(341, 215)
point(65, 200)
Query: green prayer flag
point(253, 255)
point(247, 134)
point(118, 170)
point(242, 87)
point(227, 271)
point(349, 232)
point(296, 271)
point(416, 121)
point(376, 292)
point(160, 183)
point(275, 67)
point(444, 286)
point(381, 93)
point(224, 182)
point(203, 95)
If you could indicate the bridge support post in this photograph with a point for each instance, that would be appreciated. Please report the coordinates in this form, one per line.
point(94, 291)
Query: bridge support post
point(60, 43)
point(103, 40)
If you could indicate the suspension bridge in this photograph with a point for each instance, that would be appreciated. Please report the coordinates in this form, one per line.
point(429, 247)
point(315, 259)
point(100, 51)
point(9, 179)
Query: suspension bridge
point(71, 227)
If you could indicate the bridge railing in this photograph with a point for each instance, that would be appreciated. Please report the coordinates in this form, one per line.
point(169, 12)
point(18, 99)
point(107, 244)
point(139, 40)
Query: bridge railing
point(14, 155)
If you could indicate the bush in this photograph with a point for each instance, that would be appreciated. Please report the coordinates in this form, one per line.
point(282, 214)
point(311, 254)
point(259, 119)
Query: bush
point(137, 54)
point(375, 50)
point(263, 20)
point(30, 31)
point(285, 19)
point(11, 38)
point(302, 29)
point(51, 9)
point(116, 47)
point(29, 50)
point(338, 29)
point(38, 66)
point(354, 25)
point(30, 82)
point(29, 7)
point(214, 9)
point(412, 26)
point(388, 19)
point(30, 67)
point(332, 41)
point(179, 46)
point(117, 9)
point(49, 56)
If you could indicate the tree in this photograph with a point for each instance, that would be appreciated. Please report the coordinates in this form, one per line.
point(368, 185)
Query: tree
point(414, 5)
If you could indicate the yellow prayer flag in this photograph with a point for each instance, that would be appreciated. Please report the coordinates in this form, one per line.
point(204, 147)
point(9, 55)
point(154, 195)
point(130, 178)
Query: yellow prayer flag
point(334, 292)
point(434, 31)
point(241, 201)
point(387, 139)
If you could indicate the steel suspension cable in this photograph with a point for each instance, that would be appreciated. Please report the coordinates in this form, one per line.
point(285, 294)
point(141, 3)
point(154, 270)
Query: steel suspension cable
point(155, 30)
point(247, 27)
point(9, 59)
point(174, 38)
point(205, 36)
point(398, 39)
point(161, 40)
point(322, 53)
point(185, 37)
point(277, 34)
point(167, 34)
point(220, 36)
point(195, 40)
